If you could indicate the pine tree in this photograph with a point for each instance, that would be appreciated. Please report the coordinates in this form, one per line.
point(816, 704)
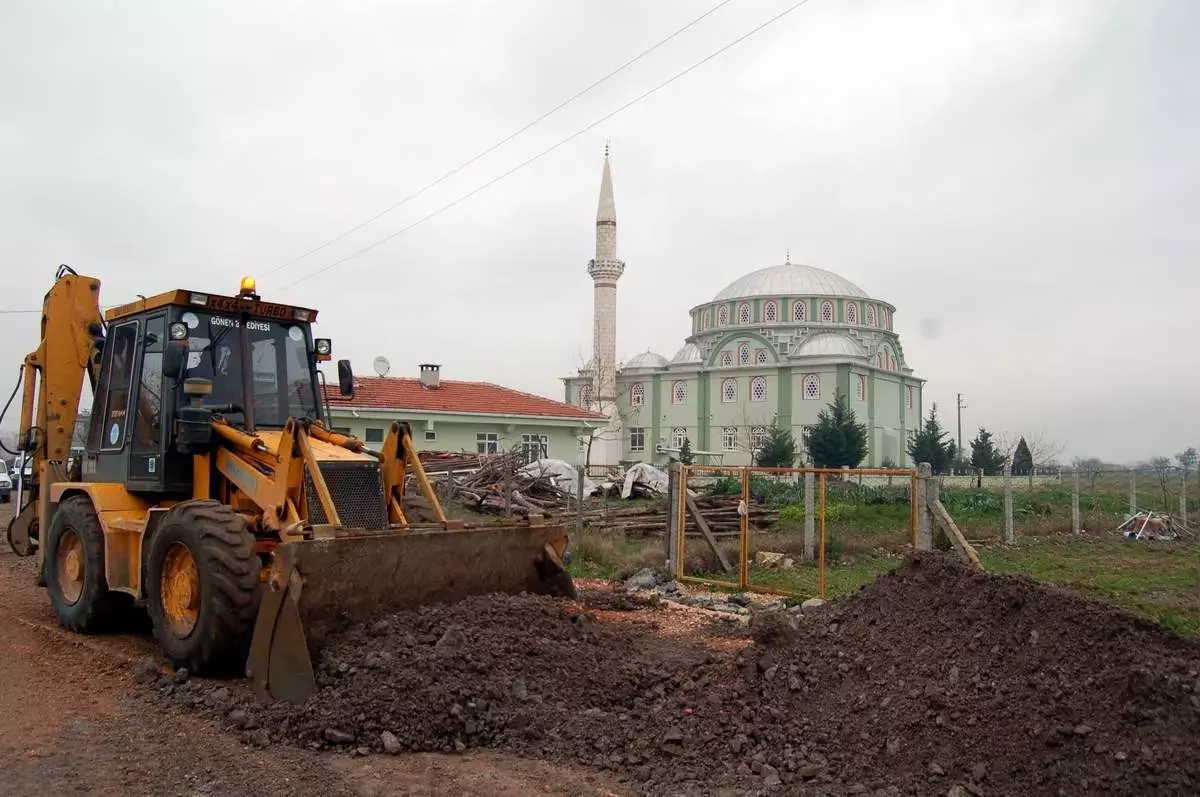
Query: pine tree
point(984, 455)
point(928, 444)
point(838, 439)
point(778, 449)
point(685, 452)
point(1022, 461)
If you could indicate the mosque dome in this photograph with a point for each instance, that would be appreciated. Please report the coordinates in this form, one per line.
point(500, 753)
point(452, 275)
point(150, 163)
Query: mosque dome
point(646, 359)
point(829, 345)
point(790, 279)
point(690, 353)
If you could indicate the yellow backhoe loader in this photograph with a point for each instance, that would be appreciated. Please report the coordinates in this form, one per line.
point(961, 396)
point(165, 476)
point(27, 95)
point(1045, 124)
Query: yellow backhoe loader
point(212, 491)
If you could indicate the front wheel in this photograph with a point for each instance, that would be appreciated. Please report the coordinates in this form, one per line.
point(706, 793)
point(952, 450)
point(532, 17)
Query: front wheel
point(203, 587)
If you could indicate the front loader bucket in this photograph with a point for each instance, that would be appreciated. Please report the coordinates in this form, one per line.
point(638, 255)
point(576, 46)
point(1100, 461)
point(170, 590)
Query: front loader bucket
point(318, 586)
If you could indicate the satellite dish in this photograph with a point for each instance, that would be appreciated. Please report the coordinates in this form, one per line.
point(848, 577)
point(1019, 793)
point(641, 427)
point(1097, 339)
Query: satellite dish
point(381, 365)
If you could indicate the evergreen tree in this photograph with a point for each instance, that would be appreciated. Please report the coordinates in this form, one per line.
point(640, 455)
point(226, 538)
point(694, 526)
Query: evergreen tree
point(685, 452)
point(984, 455)
point(1022, 461)
point(778, 449)
point(838, 439)
point(928, 444)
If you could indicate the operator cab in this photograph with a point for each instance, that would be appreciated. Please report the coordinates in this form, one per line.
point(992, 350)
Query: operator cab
point(174, 362)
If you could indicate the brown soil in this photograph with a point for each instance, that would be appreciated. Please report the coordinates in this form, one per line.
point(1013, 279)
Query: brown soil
point(933, 680)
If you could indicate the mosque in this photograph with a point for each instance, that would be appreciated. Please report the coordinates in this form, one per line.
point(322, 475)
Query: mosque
point(773, 346)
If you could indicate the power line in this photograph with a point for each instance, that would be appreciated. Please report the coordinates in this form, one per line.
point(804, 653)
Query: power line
point(502, 141)
point(548, 150)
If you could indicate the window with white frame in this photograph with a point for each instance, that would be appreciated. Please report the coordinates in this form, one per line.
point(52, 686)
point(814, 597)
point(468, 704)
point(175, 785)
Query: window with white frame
point(637, 438)
point(770, 312)
point(860, 387)
point(585, 396)
point(851, 313)
point(743, 354)
point(678, 436)
point(373, 435)
point(758, 437)
point(487, 443)
point(908, 400)
point(726, 359)
point(744, 313)
point(722, 316)
point(728, 391)
point(679, 393)
point(758, 388)
point(637, 394)
point(870, 315)
point(706, 320)
point(430, 435)
point(812, 387)
point(534, 447)
point(729, 438)
point(799, 311)
point(760, 356)
point(827, 312)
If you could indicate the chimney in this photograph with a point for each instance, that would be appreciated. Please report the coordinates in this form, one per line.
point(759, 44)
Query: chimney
point(430, 375)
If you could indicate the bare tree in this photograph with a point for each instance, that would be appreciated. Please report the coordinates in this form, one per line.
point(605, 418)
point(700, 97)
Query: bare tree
point(1162, 469)
point(1043, 449)
point(603, 406)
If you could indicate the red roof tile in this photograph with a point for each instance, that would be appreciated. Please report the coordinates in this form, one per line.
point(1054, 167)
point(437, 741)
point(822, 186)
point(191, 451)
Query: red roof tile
point(395, 393)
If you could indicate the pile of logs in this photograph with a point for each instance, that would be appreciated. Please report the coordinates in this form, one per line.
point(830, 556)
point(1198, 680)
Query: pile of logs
point(719, 512)
point(495, 486)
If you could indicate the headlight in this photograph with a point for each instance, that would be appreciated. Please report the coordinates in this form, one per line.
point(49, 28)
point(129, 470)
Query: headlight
point(301, 315)
point(198, 298)
point(324, 346)
point(178, 330)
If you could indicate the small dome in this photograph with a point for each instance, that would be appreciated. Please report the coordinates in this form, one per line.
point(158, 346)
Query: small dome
point(689, 354)
point(790, 280)
point(829, 345)
point(647, 359)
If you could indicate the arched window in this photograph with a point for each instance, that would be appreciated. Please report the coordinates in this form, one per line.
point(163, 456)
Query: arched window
point(728, 391)
point(870, 315)
point(744, 313)
point(760, 356)
point(758, 436)
point(585, 396)
point(637, 394)
point(678, 436)
point(812, 387)
point(729, 438)
point(860, 387)
point(799, 313)
point(771, 312)
point(743, 354)
point(706, 319)
point(827, 312)
point(758, 388)
point(851, 313)
point(679, 393)
point(726, 359)
point(722, 316)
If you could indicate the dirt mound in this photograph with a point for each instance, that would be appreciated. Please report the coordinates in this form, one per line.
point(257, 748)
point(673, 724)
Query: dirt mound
point(933, 679)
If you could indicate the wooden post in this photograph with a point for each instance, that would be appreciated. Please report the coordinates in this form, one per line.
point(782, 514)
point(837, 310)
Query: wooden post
point(1010, 534)
point(744, 532)
point(1132, 492)
point(674, 487)
point(924, 517)
point(810, 529)
point(821, 546)
point(1075, 526)
point(579, 504)
point(1183, 498)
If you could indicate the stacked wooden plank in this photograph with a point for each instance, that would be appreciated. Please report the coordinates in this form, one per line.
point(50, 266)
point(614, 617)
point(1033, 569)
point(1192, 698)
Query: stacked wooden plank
point(720, 513)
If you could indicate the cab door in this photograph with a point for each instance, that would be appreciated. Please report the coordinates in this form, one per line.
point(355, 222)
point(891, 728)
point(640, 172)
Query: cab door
point(147, 430)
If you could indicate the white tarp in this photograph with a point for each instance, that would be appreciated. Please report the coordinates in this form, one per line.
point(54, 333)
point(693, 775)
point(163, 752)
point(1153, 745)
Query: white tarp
point(562, 474)
point(645, 475)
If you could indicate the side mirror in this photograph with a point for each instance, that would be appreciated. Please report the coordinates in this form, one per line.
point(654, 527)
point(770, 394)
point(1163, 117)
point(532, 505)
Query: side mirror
point(174, 356)
point(345, 378)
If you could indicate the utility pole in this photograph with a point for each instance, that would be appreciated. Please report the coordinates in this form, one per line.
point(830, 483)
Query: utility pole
point(961, 407)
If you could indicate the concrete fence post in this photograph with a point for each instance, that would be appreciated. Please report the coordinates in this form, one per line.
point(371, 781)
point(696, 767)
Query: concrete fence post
point(925, 486)
point(674, 489)
point(579, 503)
point(1133, 492)
point(1010, 534)
point(1075, 525)
point(810, 522)
point(1183, 498)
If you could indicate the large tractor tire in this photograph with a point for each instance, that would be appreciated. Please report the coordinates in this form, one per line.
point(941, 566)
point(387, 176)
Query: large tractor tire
point(203, 587)
point(74, 567)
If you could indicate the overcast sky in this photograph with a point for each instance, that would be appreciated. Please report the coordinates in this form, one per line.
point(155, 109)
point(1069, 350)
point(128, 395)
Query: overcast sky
point(1018, 178)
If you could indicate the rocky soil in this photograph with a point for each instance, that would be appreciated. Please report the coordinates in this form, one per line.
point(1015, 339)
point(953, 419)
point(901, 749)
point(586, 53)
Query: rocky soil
point(934, 679)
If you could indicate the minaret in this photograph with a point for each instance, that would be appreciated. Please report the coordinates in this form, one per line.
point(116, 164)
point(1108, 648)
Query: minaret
point(605, 269)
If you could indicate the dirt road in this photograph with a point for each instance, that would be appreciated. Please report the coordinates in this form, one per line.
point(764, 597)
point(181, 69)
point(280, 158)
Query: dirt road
point(74, 721)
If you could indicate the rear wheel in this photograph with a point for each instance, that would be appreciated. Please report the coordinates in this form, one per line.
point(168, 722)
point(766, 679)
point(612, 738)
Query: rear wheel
point(74, 566)
point(203, 587)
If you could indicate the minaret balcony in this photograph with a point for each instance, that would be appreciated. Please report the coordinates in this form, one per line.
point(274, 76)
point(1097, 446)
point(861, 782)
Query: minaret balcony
point(606, 269)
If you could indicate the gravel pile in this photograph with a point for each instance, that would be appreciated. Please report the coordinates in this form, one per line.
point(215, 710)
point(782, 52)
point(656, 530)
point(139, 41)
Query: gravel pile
point(934, 679)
